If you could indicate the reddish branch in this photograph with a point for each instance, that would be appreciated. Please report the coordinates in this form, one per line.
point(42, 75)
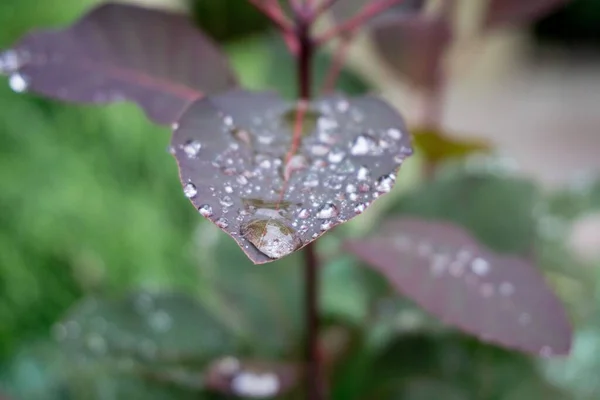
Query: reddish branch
point(349, 26)
point(335, 68)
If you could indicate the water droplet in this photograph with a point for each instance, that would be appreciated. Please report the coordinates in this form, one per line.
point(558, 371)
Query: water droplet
point(18, 82)
point(342, 106)
point(174, 126)
point(364, 145)
point(311, 181)
point(222, 223)
point(253, 385)
point(295, 163)
point(190, 190)
point(364, 187)
point(9, 61)
point(205, 210)
point(265, 164)
point(350, 188)
point(359, 208)
point(326, 124)
point(336, 156)
point(228, 189)
point(228, 120)
point(171, 150)
point(191, 148)
point(160, 321)
point(385, 183)
point(326, 225)
point(480, 266)
point(272, 236)
point(329, 210)
point(242, 180)
point(353, 196)
point(226, 201)
point(506, 289)
point(304, 213)
point(96, 344)
point(394, 133)
point(363, 173)
point(319, 149)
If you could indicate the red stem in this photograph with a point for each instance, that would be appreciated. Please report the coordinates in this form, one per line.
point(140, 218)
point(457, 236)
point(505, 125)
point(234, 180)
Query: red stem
point(335, 68)
point(369, 11)
point(324, 6)
point(274, 13)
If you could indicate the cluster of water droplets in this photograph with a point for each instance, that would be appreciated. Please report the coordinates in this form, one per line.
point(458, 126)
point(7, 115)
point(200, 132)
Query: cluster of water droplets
point(246, 382)
point(279, 199)
point(10, 63)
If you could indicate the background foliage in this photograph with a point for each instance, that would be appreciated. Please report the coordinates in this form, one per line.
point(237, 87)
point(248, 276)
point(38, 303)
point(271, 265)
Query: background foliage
point(90, 205)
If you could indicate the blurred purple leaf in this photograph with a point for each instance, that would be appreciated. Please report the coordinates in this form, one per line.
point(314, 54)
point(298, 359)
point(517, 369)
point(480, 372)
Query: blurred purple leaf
point(239, 166)
point(499, 299)
point(345, 9)
point(121, 52)
point(504, 12)
point(414, 46)
point(251, 379)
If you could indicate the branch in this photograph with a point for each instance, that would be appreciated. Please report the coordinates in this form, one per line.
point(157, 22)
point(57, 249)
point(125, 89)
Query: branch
point(274, 13)
point(324, 6)
point(349, 26)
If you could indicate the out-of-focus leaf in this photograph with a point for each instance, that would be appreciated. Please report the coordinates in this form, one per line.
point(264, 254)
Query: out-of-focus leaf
point(414, 46)
point(437, 146)
point(276, 176)
point(499, 299)
point(497, 210)
point(121, 52)
point(148, 328)
point(251, 379)
point(506, 12)
point(345, 9)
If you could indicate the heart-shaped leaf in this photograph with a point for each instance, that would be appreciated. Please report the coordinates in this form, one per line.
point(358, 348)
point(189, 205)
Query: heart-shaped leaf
point(414, 46)
point(500, 299)
point(276, 175)
point(504, 12)
point(121, 52)
point(437, 146)
point(251, 379)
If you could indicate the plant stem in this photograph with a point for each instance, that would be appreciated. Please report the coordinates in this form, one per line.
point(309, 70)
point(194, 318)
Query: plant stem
point(311, 263)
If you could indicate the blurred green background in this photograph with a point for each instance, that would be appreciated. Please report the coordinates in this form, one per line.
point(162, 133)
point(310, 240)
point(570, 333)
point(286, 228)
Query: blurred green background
point(91, 205)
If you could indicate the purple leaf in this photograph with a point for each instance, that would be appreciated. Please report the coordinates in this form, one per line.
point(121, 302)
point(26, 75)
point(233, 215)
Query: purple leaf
point(500, 299)
point(242, 170)
point(121, 52)
point(504, 12)
point(251, 379)
point(346, 9)
point(414, 46)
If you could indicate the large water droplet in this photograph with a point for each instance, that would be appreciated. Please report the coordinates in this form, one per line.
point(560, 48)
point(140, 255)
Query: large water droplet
point(336, 156)
point(363, 173)
point(205, 210)
point(272, 237)
point(329, 210)
point(190, 190)
point(226, 201)
point(319, 150)
point(326, 225)
point(228, 189)
point(364, 145)
point(9, 62)
point(480, 266)
point(222, 223)
point(303, 213)
point(191, 148)
point(361, 207)
point(248, 384)
point(18, 82)
point(394, 133)
point(385, 183)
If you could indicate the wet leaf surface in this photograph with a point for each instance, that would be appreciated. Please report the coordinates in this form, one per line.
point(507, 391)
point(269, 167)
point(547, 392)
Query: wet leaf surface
point(505, 12)
point(251, 379)
point(147, 328)
point(414, 46)
point(437, 146)
point(499, 299)
point(121, 53)
point(241, 168)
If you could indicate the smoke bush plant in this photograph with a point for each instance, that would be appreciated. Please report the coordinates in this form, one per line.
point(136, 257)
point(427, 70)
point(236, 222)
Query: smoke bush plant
point(276, 175)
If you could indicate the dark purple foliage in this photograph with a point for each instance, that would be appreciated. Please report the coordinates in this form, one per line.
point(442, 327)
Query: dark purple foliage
point(273, 191)
point(119, 52)
point(414, 45)
point(251, 379)
point(504, 12)
point(500, 299)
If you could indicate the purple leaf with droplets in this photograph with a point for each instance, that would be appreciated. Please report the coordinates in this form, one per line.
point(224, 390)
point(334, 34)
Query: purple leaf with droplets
point(500, 299)
point(251, 378)
point(121, 52)
point(413, 46)
point(237, 167)
point(504, 12)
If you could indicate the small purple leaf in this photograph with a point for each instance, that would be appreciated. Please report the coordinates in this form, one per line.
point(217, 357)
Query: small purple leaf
point(414, 46)
point(500, 299)
point(241, 168)
point(121, 52)
point(504, 12)
point(251, 379)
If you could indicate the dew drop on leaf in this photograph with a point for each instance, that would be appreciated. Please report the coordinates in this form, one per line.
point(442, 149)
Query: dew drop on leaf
point(18, 82)
point(363, 173)
point(205, 210)
point(480, 266)
point(361, 207)
point(222, 222)
point(364, 145)
point(271, 236)
point(304, 213)
point(248, 384)
point(191, 148)
point(385, 183)
point(190, 190)
point(329, 210)
point(336, 156)
point(394, 133)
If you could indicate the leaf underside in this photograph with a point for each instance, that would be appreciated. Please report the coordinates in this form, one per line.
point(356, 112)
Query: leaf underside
point(118, 52)
point(242, 169)
point(500, 299)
